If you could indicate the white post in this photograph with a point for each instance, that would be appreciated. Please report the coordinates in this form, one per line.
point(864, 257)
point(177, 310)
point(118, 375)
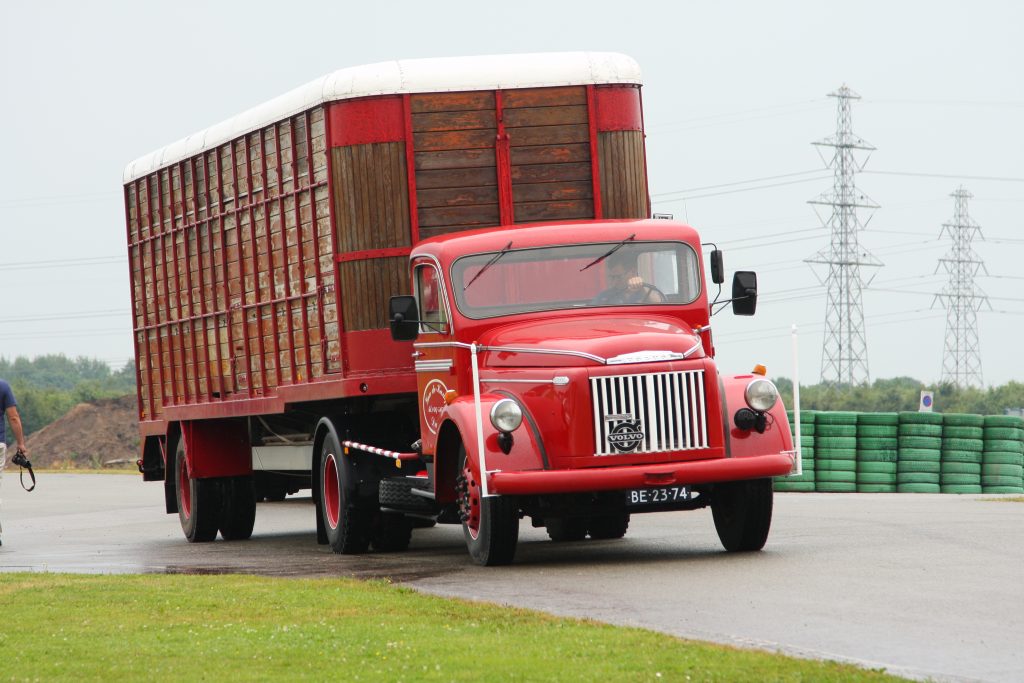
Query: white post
point(479, 420)
point(796, 405)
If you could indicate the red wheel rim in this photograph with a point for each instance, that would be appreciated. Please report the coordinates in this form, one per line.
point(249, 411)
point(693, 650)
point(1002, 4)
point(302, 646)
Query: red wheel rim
point(185, 486)
point(332, 498)
point(469, 502)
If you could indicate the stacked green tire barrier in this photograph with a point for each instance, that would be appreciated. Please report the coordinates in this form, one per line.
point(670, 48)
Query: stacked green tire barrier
point(835, 452)
point(1002, 457)
point(805, 481)
point(919, 460)
point(877, 451)
point(962, 446)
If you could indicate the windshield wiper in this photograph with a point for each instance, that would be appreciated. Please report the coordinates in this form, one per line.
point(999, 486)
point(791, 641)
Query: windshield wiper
point(494, 259)
point(608, 253)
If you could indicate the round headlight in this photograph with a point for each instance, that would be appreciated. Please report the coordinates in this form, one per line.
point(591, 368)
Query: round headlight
point(761, 395)
point(506, 415)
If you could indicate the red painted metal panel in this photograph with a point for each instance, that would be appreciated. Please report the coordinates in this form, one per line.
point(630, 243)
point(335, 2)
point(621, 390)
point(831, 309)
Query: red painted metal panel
point(217, 448)
point(375, 351)
point(358, 122)
point(503, 156)
point(241, 263)
point(257, 297)
point(296, 201)
point(410, 167)
point(321, 322)
point(334, 250)
point(134, 298)
point(618, 108)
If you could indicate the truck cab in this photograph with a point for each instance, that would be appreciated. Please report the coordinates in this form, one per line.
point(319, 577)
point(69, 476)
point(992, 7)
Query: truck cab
point(566, 372)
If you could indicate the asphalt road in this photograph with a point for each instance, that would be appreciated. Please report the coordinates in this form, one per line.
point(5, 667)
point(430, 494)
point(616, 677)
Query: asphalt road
point(923, 585)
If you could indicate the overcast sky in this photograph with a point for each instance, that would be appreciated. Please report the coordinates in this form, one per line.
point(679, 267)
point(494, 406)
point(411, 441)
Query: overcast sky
point(734, 95)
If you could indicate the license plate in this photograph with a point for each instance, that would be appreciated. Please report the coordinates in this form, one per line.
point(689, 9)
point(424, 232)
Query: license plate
point(664, 494)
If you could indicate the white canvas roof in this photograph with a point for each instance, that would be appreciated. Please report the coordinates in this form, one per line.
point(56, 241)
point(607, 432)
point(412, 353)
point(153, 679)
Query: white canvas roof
point(449, 74)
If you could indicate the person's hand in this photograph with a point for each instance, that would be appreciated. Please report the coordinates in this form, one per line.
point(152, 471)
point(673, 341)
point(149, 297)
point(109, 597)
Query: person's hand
point(635, 283)
point(23, 449)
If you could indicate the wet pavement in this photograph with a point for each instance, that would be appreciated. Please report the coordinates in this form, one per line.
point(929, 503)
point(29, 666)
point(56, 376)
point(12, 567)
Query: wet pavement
point(923, 585)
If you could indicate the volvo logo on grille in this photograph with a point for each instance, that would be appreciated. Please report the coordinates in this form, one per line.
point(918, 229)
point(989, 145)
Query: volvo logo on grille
point(626, 436)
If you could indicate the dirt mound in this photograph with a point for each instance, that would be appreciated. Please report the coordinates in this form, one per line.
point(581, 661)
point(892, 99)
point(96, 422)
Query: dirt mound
point(89, 435)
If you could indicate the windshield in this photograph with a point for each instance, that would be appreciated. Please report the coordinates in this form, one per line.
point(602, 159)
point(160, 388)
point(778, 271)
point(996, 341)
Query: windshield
point(626, 273)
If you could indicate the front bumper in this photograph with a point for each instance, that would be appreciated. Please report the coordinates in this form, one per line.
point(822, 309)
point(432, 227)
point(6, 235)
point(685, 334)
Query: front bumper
point(639, 476)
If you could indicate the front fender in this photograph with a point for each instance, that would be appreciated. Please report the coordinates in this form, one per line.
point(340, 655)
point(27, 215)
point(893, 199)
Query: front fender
point(741, 443)
point(527, 452)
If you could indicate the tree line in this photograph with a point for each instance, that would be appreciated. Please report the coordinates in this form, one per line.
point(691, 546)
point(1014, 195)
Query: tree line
point(47, 387)
point(904, 393)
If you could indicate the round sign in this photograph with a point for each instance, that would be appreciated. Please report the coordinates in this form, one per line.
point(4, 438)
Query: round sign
point(433, 404)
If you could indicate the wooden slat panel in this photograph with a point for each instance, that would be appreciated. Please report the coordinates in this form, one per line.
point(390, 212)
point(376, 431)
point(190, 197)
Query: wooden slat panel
point(550, 154)
point(543, 173)
point(542, 192)
point(469, 158)
point(460, 101)
point(459, 215)
point(623, 174)
point(366, 287)
point(450, 140)
point(549, 135)
point(451, 120)
point(545, 116)
point(457, 196)
point(544, 97)
point(457, 178)
point(549, 211)
point(371, 195)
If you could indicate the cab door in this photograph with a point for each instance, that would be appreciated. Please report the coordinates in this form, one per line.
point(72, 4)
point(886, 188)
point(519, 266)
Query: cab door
point(434, 358)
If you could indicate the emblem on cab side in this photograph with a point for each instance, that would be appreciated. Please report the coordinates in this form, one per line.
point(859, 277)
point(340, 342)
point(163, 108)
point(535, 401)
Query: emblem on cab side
point(433, 404)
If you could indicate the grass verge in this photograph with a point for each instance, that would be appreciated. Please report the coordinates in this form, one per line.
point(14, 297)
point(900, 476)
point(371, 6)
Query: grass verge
point(153, 627)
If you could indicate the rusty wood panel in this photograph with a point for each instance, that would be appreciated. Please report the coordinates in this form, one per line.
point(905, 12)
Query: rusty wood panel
point(548, 173)
point(455, 178)
point(366, 287)
point(549, 135)
point(550, 154)
point(469, 158)
point(371, 195)
point(452, 140)
point(457, 101)
point(457, 196)
point(623, 175)
point(545, 116)
point(544, 97)
point(444, 230)
point(548, 211)
point(545, 192)
point(459, 215)
point(454, 120)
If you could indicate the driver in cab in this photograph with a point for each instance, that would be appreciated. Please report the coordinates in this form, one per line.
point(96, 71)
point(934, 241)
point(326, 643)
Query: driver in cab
point(625, 286)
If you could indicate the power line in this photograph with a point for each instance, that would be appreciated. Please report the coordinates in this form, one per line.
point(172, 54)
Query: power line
point(744, 189)
point(738, 182)
point(75, 315)
point(950, 176)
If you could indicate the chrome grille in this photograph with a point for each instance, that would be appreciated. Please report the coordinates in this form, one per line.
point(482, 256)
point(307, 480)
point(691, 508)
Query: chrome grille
point(662, 411)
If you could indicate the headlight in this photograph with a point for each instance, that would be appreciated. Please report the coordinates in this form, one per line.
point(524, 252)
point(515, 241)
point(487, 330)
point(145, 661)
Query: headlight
point(761, 395)
point(506, 415)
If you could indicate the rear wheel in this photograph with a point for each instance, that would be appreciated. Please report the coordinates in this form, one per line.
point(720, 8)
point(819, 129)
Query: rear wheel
point(490, 525)
point(564, 529)
point(199, 500)
point(238, 511)
point(743, 513)
point(603, 527)
point(347, 526)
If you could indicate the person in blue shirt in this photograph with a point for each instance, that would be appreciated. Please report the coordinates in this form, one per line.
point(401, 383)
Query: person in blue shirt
point(9, 408)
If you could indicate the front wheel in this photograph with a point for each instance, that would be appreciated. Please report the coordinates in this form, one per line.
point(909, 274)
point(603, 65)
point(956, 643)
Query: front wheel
point(490, 525)
point(199, 500)
point(743, 513)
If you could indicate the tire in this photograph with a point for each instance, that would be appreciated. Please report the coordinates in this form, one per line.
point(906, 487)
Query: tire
point(1009, 433)
point(490, 525)
point(961, 488)
point(1004, 445)
point(835, 431)
point(912, 417)
point(742, 511)
point(963, 420)
point(392, 532)
point(566, 529)
point(962, 456)
point(199, 500)
point(957, 432)
point(836, 465)
point(1001, 458)
point(879, 419)
point(836, 417)
point(238, 509)
point(918, 488)
point(876, 488)
point(888, 478)
point(607, 527)
point(920, 466)
point(876, 468)
point(920, 442)
point(911, 429)
point(396, 492)
point(961, 468)
point(962, 444)
point(347, 525)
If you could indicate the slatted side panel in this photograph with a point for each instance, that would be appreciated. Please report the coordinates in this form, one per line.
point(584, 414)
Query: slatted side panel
point(549, 140)
point(623, 174)
point(456, 178)
point(232, 268)
point(371, 192)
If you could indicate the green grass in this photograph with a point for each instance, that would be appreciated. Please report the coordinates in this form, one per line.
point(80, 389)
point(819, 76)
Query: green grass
point(157, 628)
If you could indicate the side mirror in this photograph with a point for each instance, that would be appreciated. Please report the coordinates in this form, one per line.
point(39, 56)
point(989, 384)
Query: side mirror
point(717, 269)
point(744, 292)
point(403, 315)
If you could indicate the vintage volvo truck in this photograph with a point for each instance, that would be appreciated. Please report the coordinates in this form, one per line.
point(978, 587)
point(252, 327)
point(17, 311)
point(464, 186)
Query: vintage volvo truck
point(430, 292)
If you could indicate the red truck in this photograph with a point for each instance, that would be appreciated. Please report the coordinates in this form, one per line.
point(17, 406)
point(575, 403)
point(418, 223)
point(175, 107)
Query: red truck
point(554, 359)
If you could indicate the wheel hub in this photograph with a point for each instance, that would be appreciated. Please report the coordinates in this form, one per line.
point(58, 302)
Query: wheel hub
point(469, 501)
